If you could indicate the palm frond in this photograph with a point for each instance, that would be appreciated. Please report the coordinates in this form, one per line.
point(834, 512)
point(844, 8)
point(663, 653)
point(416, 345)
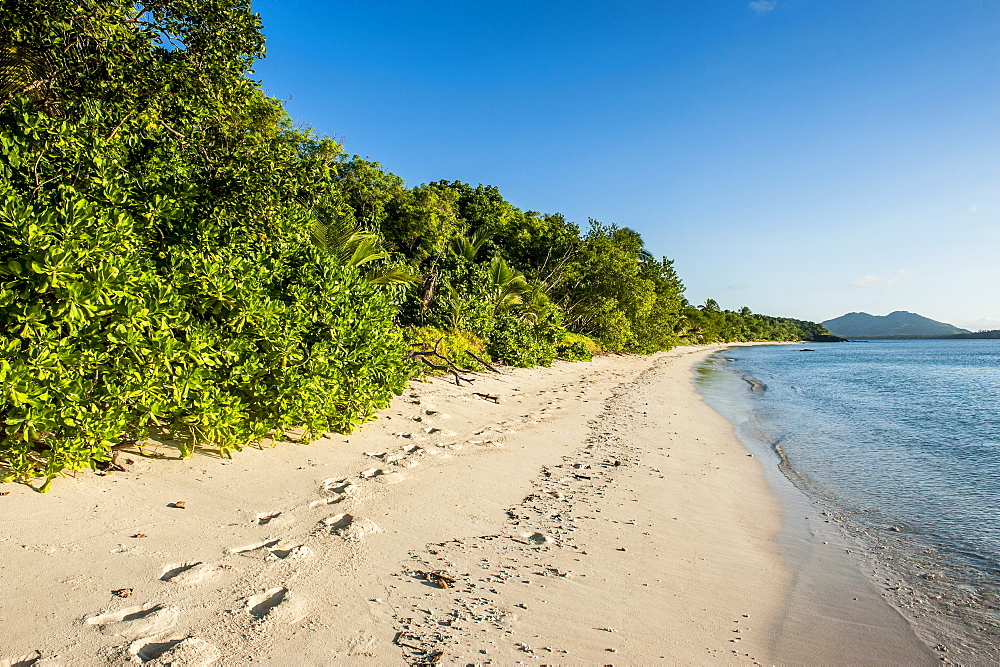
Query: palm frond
point(467, 247)
point(365, 249)
point(396, 275)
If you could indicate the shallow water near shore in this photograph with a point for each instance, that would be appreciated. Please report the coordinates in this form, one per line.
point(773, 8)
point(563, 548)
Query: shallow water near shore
point(899, 441)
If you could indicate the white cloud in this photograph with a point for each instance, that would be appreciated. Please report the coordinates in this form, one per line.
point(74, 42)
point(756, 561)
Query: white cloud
point(763, 6)
point(737, 286)
point(876, 281)
point(984, 324)
point(973, 209)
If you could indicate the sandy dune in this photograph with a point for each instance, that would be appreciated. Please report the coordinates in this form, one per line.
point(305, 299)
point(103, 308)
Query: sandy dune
point(600, 513)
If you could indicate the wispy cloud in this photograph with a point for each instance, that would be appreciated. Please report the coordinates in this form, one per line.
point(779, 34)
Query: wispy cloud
point(984, 324)
point(763, 6)
point(737, 286)
point(973, 209)
point(872, 280)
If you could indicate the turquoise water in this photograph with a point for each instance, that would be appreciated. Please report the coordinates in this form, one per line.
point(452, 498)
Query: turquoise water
point(900, 441)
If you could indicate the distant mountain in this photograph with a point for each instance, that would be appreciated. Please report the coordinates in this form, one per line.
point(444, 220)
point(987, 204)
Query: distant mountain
point(899, 323)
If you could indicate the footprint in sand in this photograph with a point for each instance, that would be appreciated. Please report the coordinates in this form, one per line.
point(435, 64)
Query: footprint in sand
point(277, 605)
point(340, 485)
point(177, 650)
point(325, 501)
point(133, 622)
point(256, 550)
point(391, 478)
point(188, 574)
point(271, 550)
point(21, 660)
point(351, 527)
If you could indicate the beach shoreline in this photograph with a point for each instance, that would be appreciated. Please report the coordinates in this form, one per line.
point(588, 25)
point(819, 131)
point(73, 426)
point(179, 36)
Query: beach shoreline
point(597, 513)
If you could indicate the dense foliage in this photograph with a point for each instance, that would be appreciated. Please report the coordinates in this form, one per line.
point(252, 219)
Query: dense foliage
point(175, 255)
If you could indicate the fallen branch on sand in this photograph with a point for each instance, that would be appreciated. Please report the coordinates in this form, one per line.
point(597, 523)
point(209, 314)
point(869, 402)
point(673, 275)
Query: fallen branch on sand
point(448, 367)
point(480, 360)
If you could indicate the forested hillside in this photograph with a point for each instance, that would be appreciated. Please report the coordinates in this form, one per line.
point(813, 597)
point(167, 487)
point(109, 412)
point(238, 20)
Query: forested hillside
point(176, 254)
point(898, 323)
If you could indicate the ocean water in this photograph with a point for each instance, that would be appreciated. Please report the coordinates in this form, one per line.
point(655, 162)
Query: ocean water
point(900, 442)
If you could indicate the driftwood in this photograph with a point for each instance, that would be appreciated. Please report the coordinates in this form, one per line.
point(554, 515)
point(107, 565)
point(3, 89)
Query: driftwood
point(487, 397)
point(449, 366)
point(477, 358)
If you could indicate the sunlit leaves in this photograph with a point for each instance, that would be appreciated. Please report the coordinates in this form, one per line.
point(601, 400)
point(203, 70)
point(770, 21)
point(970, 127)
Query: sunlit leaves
point(158, 269)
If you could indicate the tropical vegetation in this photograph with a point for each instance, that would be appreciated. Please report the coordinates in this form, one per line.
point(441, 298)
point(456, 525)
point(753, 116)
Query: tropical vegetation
point(176, 255)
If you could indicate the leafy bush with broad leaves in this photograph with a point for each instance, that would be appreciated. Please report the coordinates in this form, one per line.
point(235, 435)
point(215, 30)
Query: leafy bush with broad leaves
point(99, 340)
point(519, 343)
point(159, 266)
point(576, 347)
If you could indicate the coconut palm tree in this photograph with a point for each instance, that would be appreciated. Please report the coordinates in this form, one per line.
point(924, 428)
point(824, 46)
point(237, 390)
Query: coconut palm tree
point(506, 285)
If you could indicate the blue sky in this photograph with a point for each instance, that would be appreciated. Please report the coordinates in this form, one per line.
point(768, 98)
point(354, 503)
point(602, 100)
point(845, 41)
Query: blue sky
point(802, 158)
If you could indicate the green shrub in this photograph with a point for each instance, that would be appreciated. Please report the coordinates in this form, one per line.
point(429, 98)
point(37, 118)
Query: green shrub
point(577, 347)
point(100, 339)
point(453, 344)
point(518, 343)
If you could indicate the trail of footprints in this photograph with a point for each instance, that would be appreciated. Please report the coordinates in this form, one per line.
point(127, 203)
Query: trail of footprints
point(150, 629)
point(540, 529)
point(476, 617)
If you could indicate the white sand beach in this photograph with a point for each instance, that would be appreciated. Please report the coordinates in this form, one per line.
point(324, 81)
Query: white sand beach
point(599, 513)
